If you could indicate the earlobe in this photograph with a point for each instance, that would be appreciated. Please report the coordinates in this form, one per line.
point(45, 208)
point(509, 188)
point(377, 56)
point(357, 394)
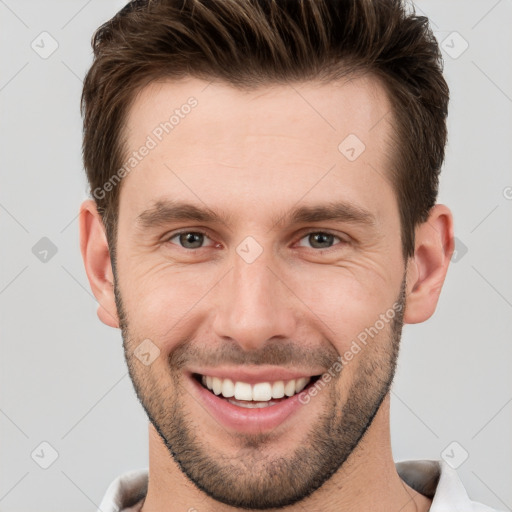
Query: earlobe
point(96, 257)
point(426, 270)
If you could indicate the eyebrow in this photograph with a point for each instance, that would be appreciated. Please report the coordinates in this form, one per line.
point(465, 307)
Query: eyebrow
point(167, 211)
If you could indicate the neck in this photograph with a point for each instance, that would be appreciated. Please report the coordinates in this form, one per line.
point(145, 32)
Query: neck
point(367, 481)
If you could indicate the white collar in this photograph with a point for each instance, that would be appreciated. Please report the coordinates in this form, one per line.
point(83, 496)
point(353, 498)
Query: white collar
point(434, 479)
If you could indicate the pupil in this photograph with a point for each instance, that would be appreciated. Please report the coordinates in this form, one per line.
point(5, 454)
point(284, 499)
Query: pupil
point(322, 238)
point(188, 238)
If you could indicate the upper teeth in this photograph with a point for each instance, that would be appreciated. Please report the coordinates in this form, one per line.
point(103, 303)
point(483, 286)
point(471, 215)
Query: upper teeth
point(262, 391)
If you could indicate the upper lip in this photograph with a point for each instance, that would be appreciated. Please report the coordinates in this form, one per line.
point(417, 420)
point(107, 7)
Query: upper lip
point(255, 374)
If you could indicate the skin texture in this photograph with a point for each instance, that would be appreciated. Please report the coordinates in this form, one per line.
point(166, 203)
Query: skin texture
point(254, 156)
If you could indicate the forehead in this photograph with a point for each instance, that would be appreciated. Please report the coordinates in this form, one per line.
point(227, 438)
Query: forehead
point(351, 103)
point(212, 140)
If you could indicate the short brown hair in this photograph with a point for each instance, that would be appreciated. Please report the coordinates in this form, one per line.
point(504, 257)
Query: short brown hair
point(253, 43)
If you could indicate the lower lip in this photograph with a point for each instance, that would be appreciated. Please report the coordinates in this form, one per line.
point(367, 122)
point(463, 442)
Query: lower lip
point(247, 420)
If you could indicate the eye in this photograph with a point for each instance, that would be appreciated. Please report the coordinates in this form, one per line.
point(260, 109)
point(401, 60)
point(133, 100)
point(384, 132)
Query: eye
point(321, 239)
point(189, 239)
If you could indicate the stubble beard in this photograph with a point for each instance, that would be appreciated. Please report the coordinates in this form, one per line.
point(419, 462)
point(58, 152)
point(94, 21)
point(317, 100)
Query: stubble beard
point(250, 477)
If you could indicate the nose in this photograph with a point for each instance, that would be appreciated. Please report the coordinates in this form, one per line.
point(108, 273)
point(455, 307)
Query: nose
point(254, 303)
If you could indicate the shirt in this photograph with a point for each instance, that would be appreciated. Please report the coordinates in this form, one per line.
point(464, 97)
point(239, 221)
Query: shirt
point(434, 479)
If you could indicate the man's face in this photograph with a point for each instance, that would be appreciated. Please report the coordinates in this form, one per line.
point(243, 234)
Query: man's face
point(258, 296)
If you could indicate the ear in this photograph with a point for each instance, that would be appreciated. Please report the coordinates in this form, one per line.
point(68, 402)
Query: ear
point(426, 270)
point(96, 256)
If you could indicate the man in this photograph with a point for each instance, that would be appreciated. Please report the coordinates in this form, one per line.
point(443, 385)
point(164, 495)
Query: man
point(264, 176)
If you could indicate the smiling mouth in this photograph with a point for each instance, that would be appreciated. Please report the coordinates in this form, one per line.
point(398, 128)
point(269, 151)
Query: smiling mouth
point(259, 395)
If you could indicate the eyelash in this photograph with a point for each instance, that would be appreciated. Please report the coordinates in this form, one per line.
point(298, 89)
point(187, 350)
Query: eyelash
point(303, 235)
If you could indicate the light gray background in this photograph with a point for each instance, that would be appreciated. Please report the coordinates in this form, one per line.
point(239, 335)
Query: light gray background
point(63, 376)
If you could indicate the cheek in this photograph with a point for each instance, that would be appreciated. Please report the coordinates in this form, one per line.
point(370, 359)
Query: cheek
point(345, 303)
point(161, 302)
point(167, 303)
